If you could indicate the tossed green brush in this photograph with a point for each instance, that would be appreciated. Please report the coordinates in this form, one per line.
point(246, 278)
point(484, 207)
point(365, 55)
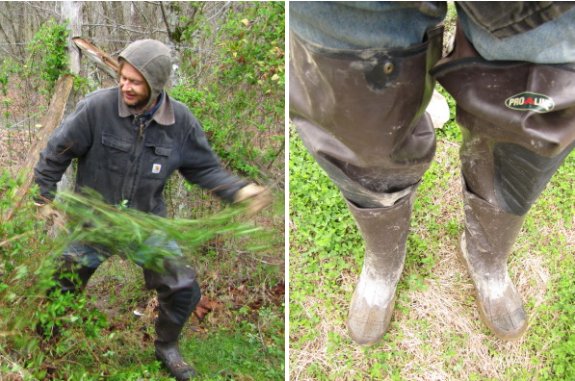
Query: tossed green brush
point(140, 236)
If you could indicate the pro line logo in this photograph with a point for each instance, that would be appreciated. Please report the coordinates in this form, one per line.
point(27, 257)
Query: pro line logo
point(528, 101)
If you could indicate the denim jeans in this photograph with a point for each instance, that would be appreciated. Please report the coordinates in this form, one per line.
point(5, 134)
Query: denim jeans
point(365, 25)
point(91, 256)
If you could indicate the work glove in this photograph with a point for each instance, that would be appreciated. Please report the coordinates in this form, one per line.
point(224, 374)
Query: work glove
point(52, 217)
point(256, 197)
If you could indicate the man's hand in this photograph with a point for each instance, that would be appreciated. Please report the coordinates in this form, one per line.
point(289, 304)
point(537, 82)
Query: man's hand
point(255, 196)
point(51, 216)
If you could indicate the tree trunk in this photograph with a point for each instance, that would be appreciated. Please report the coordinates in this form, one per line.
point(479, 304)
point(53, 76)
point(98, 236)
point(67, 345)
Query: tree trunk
point(72, 12)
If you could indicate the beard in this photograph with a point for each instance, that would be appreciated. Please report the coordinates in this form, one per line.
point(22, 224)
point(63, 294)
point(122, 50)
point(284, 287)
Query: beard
point(138, 104)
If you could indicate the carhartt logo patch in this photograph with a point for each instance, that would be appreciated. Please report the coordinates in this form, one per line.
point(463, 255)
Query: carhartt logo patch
point(528, 101)
point(156, 168)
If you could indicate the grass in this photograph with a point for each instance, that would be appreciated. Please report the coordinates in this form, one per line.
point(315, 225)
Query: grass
point(435, 333)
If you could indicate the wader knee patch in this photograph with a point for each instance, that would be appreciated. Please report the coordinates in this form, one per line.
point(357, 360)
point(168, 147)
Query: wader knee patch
point(521, 175)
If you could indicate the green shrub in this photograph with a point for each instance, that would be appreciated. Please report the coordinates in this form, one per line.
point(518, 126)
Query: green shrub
point(48, 53)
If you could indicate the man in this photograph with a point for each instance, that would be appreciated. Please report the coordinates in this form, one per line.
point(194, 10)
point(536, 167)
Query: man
point(360, 81)
point(128, 141)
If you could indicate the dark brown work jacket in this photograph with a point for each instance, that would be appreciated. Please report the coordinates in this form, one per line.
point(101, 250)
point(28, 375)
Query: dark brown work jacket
point(125, 160)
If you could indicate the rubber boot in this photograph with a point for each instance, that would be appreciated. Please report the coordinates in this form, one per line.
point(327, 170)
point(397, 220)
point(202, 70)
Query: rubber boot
point(518, 124)
point(485, 247)
point(385, 233)
point(178, 297)
point(168, 352)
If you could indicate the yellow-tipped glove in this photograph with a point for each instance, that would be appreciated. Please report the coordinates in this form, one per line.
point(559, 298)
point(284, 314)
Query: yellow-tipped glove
point(51, 216)
point(256, 197)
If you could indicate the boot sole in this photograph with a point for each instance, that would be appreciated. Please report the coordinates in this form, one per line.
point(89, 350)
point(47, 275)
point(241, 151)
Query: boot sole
point(482, 314)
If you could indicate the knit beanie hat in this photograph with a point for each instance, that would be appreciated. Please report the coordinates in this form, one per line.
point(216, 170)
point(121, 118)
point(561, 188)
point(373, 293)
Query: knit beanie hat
point(152, 59)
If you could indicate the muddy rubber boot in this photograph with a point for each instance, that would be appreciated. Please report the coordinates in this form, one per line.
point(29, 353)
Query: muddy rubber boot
point(178, 295)
point(385, 233)
point(169, 355)
point(168, 352)
point(518, 125)
point(485, 247)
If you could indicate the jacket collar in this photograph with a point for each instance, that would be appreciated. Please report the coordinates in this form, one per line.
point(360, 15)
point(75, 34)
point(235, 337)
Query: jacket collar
point(164, 115)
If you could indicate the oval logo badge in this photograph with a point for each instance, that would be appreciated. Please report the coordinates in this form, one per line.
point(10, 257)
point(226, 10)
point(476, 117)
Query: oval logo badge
point(528, 101)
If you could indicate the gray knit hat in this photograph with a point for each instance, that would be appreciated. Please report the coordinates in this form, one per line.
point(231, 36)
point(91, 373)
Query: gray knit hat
point(152, 59)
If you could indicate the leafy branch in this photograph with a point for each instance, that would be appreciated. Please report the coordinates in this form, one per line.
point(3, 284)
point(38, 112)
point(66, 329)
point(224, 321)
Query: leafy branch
point(142, 237)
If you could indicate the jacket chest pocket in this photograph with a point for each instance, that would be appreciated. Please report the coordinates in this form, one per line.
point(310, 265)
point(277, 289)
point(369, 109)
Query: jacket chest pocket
point(156, 161)
point(117, 153)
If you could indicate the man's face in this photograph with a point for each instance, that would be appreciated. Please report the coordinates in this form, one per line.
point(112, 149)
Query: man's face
point(135, 91)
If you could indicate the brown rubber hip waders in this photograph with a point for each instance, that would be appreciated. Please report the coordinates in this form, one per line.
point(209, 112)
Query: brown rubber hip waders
point(518, 124)
point(361, 114)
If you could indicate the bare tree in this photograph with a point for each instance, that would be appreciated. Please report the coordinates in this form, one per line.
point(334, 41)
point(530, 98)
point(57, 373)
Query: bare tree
point(72, 14)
